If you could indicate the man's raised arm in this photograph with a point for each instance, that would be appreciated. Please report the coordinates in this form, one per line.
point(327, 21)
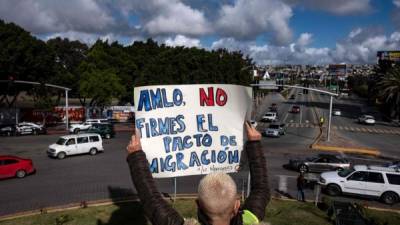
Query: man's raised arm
point(259, 192)
point(157, 210)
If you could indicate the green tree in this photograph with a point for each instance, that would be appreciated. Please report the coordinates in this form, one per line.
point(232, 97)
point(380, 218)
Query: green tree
point(24, 58)
point(100, 86)
point(389, 88)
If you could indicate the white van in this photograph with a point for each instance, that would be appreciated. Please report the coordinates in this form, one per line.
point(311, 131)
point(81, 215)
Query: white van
point(76, 144)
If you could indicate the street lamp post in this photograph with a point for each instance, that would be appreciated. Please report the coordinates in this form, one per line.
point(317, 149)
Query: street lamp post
point(330, 118)
point(66, 109)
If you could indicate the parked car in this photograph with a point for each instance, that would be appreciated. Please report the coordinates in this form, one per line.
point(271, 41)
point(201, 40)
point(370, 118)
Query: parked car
point(8, 130)
point(275, 130)
point(295, 109)
point(23, 129)
point(13, 166)
point(319, 163)
point(76, 144)
point(106, 130)
point(269, 117)
point(374, 181)
point(76, 128)
point(336, 112)
point(30, 128)
point(366, 119)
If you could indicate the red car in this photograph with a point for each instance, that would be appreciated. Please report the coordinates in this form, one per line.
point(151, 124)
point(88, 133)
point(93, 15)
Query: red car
point(295, 109)
point(12, 166)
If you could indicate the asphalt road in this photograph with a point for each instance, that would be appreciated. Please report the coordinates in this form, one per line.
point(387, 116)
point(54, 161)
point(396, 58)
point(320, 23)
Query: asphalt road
point(106, 175)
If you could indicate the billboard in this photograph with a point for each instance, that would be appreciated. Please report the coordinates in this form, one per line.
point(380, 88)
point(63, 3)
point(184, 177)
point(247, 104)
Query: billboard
point(393, 56)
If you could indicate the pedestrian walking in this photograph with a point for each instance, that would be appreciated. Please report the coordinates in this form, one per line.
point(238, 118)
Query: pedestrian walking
point(300, 187)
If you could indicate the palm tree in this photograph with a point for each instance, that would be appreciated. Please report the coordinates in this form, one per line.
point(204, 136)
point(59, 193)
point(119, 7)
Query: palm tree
point(389, 89)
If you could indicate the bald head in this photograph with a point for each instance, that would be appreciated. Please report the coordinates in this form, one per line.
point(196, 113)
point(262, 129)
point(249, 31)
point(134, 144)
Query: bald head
point(217, 195)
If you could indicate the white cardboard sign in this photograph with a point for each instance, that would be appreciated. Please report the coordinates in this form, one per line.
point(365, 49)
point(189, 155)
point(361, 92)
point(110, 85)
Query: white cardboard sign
point(192, 129)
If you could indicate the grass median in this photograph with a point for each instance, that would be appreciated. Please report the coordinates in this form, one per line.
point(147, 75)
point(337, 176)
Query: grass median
point(278, 212)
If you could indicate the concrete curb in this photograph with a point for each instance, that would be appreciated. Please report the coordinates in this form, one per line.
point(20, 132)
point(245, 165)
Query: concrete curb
point(365, 151)
point(106, 202)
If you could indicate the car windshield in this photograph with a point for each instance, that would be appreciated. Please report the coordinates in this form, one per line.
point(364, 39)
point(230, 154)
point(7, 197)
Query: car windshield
point(274, 126)
point(61, 141)
point(345, 172)
point(269, 114)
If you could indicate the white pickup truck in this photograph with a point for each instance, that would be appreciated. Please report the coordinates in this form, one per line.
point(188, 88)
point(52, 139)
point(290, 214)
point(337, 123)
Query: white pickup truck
point(76, 128)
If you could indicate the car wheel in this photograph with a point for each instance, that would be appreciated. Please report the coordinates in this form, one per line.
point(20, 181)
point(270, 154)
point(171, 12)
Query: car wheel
point(61, 155)
point(93, 151)
point(333, 189)
point(107, 136)
point(76, 130)
point(303, 168)
point(390, 198)
point(20, 174)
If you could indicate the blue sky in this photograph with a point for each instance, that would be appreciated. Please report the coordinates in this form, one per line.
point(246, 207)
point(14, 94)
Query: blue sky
point(269, 31)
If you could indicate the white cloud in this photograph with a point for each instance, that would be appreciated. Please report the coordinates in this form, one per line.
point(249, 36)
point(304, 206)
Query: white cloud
point(181, 40)
point(396, 3)
point(248, 19)
point(297, 52)
point(57, 16)
point(165, 17)
point(304, 39)
point(339, 7)
point(360, 46)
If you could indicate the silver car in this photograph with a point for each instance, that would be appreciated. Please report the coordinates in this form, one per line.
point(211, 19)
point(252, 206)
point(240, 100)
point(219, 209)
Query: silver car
point(366, 119)
point(275, 130)
point(319, 163)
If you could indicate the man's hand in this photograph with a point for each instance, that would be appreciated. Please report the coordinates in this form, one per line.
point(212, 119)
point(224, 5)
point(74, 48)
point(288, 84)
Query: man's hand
point(134, 144)
point(252, 133)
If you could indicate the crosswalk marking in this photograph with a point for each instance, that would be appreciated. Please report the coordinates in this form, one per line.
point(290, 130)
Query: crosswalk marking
point(396, 131)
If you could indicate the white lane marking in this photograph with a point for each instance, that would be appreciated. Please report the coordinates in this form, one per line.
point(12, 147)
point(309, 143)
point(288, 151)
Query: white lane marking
point(300, 115)
point(284, 119)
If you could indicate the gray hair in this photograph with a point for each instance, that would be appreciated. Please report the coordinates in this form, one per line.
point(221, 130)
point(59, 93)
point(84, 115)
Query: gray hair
point(217, 194)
